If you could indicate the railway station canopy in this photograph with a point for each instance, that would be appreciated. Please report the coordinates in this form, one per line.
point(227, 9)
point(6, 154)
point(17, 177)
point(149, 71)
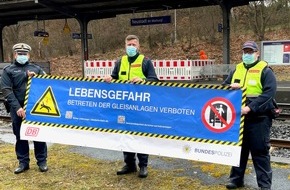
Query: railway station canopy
point(13, 11)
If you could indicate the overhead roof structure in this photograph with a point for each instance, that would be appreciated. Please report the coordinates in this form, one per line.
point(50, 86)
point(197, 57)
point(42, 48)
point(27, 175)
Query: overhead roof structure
point(14, 11)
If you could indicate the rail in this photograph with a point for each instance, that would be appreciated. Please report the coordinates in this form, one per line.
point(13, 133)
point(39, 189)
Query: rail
point(5, 118)
point(285, 111)
point(280, 143)
point(285, 106)
point(44, 65)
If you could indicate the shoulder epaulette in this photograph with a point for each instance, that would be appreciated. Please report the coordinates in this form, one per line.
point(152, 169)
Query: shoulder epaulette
point(7, 66)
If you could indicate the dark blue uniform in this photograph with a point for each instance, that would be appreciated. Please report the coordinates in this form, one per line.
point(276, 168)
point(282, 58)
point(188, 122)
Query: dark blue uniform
point(150, 74)
point(13, 85)
point(256, 136)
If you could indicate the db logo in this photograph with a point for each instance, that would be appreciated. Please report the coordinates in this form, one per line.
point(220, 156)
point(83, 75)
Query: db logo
point(32, 131)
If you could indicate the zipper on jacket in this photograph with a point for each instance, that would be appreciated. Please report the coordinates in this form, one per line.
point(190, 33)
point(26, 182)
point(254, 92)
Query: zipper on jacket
point(245, 78)
point(129, 71)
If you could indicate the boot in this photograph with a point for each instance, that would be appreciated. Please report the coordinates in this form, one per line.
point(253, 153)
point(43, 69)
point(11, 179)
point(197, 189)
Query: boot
point(232, 185)
point(127, 169)
point(21, 168)
point(143, 172)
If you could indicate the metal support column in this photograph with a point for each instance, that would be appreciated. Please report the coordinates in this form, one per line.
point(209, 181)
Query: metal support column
point(84, 39)
point(226, 7)
point(1, 43)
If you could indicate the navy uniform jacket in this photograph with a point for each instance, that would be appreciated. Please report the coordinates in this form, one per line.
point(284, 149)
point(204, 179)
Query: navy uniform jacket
point(14, 80)
point(263, 104)
point(147, 68)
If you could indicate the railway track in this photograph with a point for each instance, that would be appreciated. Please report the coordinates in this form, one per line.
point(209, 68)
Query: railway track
point(279, 143)
point(285, 111)
point(5, 118)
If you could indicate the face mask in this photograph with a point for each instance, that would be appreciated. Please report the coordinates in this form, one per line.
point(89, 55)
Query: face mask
point(249, 58)
point(131, 51)
point(22, 59)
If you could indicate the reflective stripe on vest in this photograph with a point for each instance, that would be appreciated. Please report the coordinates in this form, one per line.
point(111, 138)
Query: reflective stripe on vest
point(128, 71)
point(250, 78)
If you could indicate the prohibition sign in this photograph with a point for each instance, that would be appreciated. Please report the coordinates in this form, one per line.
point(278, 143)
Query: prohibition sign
point(218, 115)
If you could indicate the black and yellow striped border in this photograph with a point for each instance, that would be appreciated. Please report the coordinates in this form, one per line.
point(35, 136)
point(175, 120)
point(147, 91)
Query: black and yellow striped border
point(154, 83)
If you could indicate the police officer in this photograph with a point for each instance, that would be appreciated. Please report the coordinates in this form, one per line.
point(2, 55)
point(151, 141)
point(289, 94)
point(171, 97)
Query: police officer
point(13, 82)
point(134, 67)
point(260, 83)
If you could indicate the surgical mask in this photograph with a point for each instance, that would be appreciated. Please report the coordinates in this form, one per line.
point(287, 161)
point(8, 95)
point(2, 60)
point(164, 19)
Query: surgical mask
point(22, 59)
point(249, 58)
point(131, 51)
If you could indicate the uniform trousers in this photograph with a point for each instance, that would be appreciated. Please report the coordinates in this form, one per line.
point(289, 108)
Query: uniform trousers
point(130, 159)
point(256, 140)
point(22, 146)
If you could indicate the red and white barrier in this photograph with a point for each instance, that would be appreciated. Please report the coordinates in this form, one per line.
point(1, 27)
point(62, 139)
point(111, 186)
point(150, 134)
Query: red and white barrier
point(98, 68)
point(165, 69)
point(198, 65)
point(173, 69)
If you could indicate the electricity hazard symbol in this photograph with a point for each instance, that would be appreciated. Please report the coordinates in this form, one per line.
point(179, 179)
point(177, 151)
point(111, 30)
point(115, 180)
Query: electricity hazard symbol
point(46, 105)
point(218, 115)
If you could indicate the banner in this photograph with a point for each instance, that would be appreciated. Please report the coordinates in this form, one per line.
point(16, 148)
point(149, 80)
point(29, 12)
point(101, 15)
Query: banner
point(198, 122)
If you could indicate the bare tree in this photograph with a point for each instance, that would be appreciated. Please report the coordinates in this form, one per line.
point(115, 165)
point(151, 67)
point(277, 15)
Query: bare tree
point(196, 27)
point(10, 37)
point(260, 14)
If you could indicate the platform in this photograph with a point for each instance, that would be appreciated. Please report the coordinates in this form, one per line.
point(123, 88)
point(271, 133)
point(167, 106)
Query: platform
point(188, 168)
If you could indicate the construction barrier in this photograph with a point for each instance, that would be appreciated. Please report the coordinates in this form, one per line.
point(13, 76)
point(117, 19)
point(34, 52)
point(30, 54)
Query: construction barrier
point(173, 69)
point(197, 67)
point(165, 69)
point(98, 69)
point(217, 69)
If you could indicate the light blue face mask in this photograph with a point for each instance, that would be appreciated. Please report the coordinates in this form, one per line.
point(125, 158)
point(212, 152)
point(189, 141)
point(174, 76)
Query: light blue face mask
point(248, 58)
point(22, 59)
point(131, 51)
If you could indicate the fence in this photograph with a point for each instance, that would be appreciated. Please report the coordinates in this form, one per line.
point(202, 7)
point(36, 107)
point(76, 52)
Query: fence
point(173, 69)
point(165, 69)
point(217, 69)
point(2, 65)
point(98, 69)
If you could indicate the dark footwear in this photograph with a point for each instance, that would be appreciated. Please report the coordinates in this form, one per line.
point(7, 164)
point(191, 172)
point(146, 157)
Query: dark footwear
point(143, 172)
point(234, 186)
point(21, 168)
point(126, 170)
point(43, 168)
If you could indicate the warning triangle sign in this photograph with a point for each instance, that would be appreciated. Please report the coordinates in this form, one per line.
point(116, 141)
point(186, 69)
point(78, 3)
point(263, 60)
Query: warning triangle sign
point(46, 105)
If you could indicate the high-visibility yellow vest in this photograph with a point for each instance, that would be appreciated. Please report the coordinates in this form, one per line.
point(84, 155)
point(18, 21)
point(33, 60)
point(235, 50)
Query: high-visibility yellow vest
point(128, 71)
point(250, 78)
